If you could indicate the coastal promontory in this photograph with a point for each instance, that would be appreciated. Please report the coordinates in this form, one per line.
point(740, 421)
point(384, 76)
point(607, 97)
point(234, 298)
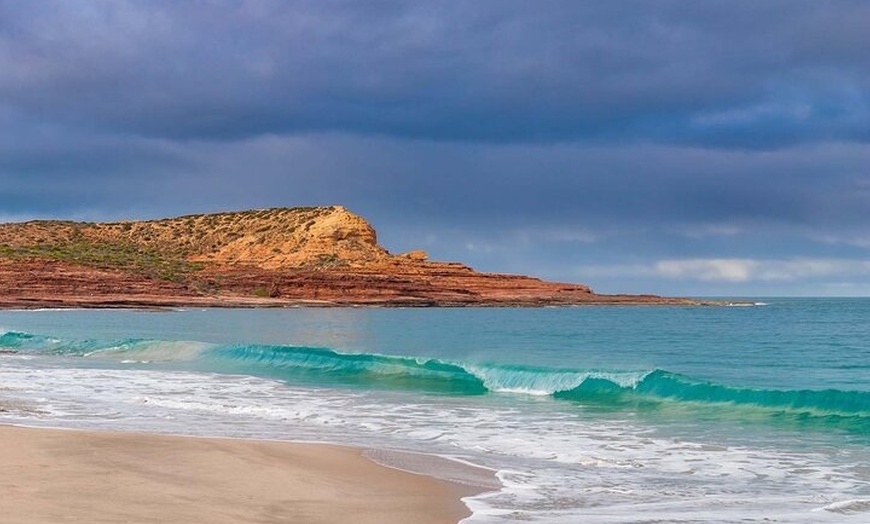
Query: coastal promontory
point(314, 256)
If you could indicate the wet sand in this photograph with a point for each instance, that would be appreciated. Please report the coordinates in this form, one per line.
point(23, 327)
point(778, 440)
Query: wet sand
point(56, 476)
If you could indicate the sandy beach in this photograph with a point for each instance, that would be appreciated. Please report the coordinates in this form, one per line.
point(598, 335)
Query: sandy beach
point(52, 476)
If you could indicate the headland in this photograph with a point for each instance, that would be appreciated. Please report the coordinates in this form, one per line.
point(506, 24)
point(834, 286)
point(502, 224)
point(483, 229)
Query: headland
point(314, 256)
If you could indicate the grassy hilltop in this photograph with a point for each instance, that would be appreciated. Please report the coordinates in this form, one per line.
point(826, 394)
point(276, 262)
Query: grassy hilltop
point(175, 248)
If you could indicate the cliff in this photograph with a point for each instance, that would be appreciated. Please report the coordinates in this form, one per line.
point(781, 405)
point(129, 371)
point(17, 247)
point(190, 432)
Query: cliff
point(270, 257)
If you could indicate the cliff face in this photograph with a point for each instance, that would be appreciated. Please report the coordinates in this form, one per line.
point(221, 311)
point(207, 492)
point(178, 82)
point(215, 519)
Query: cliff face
point(269, 238)
point(323, 255)
point(287, 238)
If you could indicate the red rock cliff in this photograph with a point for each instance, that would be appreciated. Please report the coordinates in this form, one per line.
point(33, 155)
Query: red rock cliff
point(271, 257)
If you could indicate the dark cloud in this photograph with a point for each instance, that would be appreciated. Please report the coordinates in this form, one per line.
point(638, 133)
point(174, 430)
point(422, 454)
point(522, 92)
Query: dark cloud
point(560, 138)
point(720, 74)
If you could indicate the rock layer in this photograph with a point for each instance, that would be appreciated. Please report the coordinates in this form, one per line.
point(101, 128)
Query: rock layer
point(275, 257)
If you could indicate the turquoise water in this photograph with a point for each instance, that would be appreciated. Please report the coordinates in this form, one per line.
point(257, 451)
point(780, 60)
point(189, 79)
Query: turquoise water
point(599, 414)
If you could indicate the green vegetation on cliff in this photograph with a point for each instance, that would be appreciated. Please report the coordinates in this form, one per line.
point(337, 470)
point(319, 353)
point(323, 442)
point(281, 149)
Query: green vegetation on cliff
point(175, 248)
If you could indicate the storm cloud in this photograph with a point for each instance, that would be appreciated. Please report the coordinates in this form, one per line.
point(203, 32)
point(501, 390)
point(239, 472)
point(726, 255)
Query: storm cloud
point(555, 138)
point(722, 74)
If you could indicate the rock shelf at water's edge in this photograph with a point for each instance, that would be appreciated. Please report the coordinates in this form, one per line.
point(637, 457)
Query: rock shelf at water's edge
point(318, 256)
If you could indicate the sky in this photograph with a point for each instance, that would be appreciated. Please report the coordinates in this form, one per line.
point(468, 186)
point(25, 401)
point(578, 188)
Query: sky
point(715, 148)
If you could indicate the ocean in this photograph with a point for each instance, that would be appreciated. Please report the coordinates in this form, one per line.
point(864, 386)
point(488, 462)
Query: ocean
point(752, 413)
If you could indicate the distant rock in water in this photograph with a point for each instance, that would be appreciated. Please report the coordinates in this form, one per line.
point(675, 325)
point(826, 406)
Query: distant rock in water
point(269, 257)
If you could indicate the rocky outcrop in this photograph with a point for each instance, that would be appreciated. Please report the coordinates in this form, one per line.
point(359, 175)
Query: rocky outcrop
point(279, 239)
point(273, 257)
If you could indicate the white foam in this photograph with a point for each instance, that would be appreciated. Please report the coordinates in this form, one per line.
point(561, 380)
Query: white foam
point(556, 466)
point(848, 507)
point(536, 383)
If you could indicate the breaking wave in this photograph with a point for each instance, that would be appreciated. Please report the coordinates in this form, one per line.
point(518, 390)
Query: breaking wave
point(616, 389)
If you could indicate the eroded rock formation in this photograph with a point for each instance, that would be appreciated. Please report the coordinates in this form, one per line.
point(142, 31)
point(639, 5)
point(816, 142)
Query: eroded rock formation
point(273, 257)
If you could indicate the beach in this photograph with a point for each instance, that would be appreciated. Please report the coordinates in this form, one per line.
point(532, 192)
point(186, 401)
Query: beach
point(53, 475)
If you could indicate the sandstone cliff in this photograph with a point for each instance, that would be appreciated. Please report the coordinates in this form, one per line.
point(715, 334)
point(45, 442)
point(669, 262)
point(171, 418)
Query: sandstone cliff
point(271, 257)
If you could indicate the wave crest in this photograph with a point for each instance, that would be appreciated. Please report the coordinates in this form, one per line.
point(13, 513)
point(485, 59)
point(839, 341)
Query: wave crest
point(595, 387)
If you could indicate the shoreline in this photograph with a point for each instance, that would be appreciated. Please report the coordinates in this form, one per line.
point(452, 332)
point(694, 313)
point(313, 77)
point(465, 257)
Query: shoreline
point(230, 302)
point(69, 475)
